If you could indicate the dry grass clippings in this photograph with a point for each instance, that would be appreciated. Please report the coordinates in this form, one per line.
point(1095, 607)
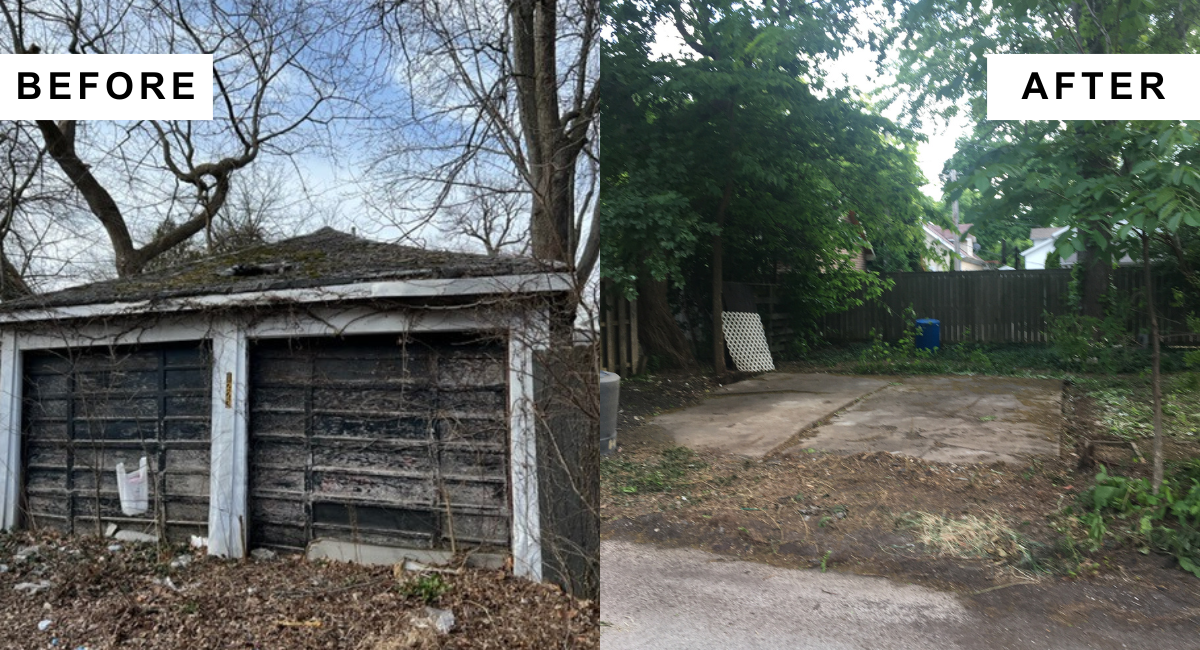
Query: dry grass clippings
point(967, 536)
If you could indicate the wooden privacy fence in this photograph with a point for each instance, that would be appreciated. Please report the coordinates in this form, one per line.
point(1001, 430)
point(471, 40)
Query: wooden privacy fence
point(997, 306)
point(777, 324)
point(619, 350)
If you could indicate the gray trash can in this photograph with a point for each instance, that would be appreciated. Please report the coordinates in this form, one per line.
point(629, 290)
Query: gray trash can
point(610, 387)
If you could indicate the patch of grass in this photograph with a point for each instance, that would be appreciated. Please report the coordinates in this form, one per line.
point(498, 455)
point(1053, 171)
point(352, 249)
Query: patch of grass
point(1035, 468)
point(900, 358)
point(664, 473)
point(976, 358)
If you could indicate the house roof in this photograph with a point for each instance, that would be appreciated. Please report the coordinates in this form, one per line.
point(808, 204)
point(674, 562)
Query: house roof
point(1044, 239)
point(326, 257)
point(1046, 233)
point(1039, 245)
point(946, 234)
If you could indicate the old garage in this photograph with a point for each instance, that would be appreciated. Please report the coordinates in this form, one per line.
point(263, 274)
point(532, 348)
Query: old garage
point(327, 393)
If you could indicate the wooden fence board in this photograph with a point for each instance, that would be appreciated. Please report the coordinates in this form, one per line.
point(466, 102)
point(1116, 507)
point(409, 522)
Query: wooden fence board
point(619, 348)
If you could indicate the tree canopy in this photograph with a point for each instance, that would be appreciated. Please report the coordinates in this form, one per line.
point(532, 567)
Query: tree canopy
point(1105, 178)
point(740, 156)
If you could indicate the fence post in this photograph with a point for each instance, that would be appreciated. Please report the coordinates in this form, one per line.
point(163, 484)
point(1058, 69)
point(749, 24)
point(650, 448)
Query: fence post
point(635, 366)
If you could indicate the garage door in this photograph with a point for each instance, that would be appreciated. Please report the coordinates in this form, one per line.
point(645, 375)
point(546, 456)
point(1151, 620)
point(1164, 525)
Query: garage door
point(86, 410)
point(379, 440)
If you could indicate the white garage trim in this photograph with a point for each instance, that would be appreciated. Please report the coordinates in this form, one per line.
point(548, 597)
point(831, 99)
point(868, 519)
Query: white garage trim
point(10, 429)
point(332, 321)
point(100, 334)
point(526, 520)
point(393, 289)
point(228, 523)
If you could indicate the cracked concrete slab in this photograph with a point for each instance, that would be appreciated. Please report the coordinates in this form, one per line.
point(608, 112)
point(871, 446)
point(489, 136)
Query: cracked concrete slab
point(755, 416)
point(951, 420)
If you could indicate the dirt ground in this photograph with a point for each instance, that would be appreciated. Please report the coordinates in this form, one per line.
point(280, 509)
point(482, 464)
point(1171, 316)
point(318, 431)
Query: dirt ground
point(879, 514)
point(100, 596)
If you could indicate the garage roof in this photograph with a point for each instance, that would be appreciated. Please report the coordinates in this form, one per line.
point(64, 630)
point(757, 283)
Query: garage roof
point(324, 258)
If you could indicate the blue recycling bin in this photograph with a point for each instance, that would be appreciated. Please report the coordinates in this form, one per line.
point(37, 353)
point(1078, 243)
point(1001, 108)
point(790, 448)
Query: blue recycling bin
point(929, 333)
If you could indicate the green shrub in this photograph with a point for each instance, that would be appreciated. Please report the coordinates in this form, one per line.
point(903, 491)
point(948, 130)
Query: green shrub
point(1088, 344)
point(1127, 508)
point(426, 587)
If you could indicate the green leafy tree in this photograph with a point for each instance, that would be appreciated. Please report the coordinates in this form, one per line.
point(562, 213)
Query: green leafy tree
point(740, 153)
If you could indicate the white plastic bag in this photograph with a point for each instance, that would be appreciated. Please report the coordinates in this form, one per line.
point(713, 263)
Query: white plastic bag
point(134, 488)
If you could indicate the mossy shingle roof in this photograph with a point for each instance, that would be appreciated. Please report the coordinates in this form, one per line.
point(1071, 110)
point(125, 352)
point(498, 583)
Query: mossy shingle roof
point(326, 257)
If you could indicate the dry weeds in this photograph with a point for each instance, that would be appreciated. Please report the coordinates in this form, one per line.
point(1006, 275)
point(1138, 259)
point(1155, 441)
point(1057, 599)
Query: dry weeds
point(134, 598)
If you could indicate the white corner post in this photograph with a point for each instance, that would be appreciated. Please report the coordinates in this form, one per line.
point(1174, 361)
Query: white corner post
point(227, 518)
point(10, 429)
point(526, 515)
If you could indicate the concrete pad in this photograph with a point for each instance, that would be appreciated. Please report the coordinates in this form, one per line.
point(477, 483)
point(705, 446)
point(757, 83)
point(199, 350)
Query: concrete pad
point(951, 420)
point(755, 416)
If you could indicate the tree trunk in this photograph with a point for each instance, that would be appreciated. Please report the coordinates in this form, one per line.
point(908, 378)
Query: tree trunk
point(1096, 262)
point(550, 149)
point(1155, 358)
point(1096, 269)
point(718, 328)
point(658, 331)
point(718, 282)
point(12, 285)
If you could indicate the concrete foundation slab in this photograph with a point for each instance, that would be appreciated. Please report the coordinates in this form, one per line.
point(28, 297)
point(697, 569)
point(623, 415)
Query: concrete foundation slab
point(372, 555)
point(951, 420)
point(755, 416)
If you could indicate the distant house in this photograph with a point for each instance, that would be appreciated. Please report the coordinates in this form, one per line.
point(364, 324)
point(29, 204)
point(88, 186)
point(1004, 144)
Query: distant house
point(1044, 242)
point(864, 252)
point(941, 240)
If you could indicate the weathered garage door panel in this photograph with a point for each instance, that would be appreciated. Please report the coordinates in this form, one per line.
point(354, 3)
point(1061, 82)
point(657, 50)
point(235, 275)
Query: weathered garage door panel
point(378, 441)
point(86, 410)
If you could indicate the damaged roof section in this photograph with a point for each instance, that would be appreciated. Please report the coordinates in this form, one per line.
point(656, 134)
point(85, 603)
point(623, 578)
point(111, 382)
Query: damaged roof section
point(324, 258)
